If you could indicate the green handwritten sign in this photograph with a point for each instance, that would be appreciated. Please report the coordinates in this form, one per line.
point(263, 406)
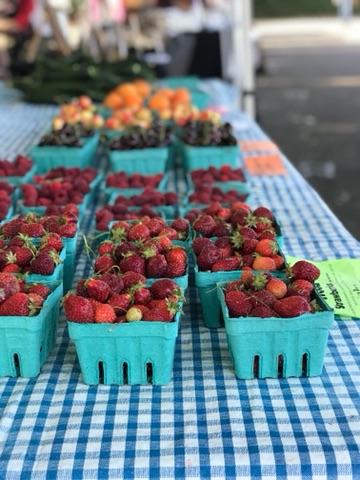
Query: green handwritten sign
point(339, 284)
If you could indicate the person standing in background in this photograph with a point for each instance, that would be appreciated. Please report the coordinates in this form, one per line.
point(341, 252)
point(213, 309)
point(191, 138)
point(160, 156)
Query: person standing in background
point(20, 22)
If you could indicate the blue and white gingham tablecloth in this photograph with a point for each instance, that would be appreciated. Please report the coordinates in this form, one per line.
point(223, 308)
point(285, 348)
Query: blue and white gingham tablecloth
point(206, 423)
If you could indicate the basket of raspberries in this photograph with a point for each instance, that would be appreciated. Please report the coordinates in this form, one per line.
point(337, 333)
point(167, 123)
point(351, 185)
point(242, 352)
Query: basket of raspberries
point(16, 172)
point(124, 328)
point(28, 322)
point(72, 146)
point(276, 327)
point(132, 248)
point(207, 144)
point(133, 184)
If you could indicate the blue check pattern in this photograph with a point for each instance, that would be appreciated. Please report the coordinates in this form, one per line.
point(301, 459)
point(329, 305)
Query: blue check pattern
point(206, 423)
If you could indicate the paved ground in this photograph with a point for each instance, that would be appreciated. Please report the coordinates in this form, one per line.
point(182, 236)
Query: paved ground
point(309, 102)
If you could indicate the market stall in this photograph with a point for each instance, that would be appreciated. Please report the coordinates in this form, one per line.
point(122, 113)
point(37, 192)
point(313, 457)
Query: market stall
point(205, 423)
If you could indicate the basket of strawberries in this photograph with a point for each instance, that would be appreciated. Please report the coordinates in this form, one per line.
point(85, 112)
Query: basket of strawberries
point(276, 328)
point(133, 184)
point(28, 323)
point(21, 170)
point(124, 330)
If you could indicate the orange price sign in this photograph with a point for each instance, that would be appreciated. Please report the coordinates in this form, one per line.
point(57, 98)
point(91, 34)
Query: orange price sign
point(258, 146)
point(265, 165)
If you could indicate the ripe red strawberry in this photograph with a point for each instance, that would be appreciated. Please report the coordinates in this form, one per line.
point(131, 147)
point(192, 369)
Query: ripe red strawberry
point(279, 261)
point(103, 264)
point(222, 229)
point(249, 246)
point(305, 271)
point(227, 264)
point(267, 234)
point(204, 225)
point(247, 275)
point(266, 248)
point(138, 232)
point(156, 267)
point(67, 230)
point(177, 262)
point(263, 263)
point(169, 232)
point(248, 260)
point(262, 297)
point(11, 268)
point(301, 287)
point(238, 303)
point(114, 281)
point(157, 315)
point(208, 256)
point(11, 228)
point(132, 278)
point(181, 225)
point(104, 313)
point(124, 249)
point(163, 288)
point(234, 285)
point(247, 232)
point(32, 229)
point(18, 304)
point(263, 212)
point(291, 306)
point(143, 308)
point(44, 263)
point(98, 289)
point(105, 247)
point(78, 309)
point(120, 302)
point(199, 243)
point(132, 263)
point(36, 300)
point(262, 311)
point(21, 256)
point(163, 243)
point(39, 289)
point(81, 289)
point(142, 295)
point(52, 240)
point(277, 287)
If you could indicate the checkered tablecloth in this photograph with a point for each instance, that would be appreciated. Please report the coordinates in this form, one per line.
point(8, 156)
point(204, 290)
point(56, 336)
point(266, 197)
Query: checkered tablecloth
point(206, 423)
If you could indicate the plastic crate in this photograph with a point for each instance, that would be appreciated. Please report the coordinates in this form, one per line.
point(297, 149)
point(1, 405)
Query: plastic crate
point(25, 342)
point(48, 157)
point(16, 181)
point(206, 282)
point(147, 161)
point(57, 275)
point(137, 353)
point(111, 192)
point(277, 347)
point(205, 157)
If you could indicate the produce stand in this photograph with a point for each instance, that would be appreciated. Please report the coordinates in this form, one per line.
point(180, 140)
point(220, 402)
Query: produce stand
point(206, 423)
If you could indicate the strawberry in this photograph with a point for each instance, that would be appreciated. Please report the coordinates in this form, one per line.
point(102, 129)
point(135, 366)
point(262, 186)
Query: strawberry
point(143, 308)
point(32, 229)
point(279, 261)
point(78, 309)
point(204, 225)
point(266, 248)
point(227, 264)
point(181, 225)
point(67, 230)
point(104, 313)
point(11, 228)
point(263, 263)
point(262, 311)
point(208, 256)
point(305, 271)
point(156, 267)
point(98, 289)
point(155, 225)
point(199, 243)
point(52, 240)
point(103, 263)
point(247, 232)
point(142, 295)
point(169, 232)
point(301, 287)
point(163, 288)
point(114, 281)
point(23, 255)
point(262, 297)
point(138, 232)
point(277, 287)
point(18, 304)
point(124, 249)
point(177, 262)
point(132, 263)
point(157, 315)
point(163, 243)
point(291, 306)
point(11, 268)
point(134, 314)
point(238, 303)
point(247, 275)
point(120, 302)
point(249, 246)
point(267, 234)
point(263, 212)
point(105, 247)
point(36, 300)
point(81, 289)
point(39, 289)
point(44, 263)
point(132, 278)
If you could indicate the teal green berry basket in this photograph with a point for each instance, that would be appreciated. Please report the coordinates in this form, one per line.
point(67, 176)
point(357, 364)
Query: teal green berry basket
point(26, 342)
point(190, 82)
point(277, 347)
point(138, 353)
point(47, 157)
point(206, 282)
point(69, 263)
point(147, 161)
point(130, 192)
point(205, 157)
point(16, 181)
point(56, 276)
point(200, 99)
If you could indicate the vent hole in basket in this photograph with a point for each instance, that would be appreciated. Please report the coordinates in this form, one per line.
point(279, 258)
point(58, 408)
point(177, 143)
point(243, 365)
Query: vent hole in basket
point(101, 372)
point(149, 373)
point(256, 366)
point(304, 365)
point(125, 370)
point(280, 366)
point(17, 364)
